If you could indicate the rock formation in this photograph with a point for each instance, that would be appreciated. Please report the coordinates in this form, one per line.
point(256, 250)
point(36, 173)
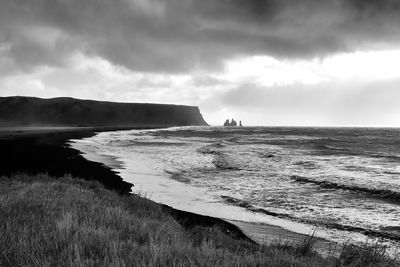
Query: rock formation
point(31, 111)
point(232, 123)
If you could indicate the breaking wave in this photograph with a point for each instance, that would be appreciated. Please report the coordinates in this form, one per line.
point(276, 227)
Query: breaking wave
point(221, 160)
point(279, 172)
point(378, 193)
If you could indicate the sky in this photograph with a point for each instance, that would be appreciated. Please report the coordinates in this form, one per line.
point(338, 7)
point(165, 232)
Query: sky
point(265, 62)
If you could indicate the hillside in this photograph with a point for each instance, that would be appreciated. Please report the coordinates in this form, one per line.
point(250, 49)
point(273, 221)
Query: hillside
point(71, 222)
point(30, 111)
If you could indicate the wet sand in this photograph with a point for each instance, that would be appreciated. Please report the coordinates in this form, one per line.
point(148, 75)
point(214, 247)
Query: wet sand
point(167, 191)
point(46, 150)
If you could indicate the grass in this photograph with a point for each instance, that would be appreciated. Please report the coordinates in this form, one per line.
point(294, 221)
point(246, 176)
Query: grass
point(71, 222)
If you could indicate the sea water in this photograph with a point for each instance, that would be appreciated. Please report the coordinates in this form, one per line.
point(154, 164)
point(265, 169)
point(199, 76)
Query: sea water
point(343, 182)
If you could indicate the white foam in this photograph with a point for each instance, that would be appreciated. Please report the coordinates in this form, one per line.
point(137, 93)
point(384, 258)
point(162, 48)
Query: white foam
point(145, 165)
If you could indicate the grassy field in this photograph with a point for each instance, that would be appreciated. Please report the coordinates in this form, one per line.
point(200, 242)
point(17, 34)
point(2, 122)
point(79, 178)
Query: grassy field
point(71, 222)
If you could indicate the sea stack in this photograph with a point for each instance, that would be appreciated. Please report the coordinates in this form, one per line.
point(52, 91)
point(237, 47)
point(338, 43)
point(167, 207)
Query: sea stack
point(232, 123)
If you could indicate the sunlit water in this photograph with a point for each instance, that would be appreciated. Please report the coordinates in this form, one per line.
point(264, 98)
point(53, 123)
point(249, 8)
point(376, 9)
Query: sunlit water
point(345, 182)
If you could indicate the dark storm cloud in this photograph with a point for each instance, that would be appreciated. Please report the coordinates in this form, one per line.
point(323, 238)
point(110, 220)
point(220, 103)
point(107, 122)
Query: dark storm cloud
point(179, 35)
point(374, 7)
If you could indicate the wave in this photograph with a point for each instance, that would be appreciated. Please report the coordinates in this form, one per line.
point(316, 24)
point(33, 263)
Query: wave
point(306, 164)
point(236, 202)
point(391, 172)
point(221, 160)
point(332, 225)
point(211, 149)
point(335, 149)
point(224, 162)
point(378, 193)
point(383, 155)
point(356, 151)
point(234, 140)
point(178, 176)
point(266, 155)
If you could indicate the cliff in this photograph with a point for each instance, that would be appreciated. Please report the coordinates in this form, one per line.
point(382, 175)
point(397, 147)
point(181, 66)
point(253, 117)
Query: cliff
point(31, 111)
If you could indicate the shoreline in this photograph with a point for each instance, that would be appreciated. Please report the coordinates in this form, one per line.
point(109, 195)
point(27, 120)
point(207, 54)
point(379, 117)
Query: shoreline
point(47, 150)
point(256, 231)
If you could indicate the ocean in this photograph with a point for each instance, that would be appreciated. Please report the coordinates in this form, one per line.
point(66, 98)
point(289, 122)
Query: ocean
point(342, 183)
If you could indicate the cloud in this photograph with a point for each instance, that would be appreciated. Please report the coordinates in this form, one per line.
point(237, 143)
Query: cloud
point(173, 36)
point(262, 95)
point(271, 62)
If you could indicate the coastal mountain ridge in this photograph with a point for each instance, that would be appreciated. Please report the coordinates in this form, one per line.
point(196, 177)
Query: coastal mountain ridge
point(70, 112)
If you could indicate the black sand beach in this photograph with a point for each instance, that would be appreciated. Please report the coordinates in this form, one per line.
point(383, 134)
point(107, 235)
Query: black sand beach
point(45, 150)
